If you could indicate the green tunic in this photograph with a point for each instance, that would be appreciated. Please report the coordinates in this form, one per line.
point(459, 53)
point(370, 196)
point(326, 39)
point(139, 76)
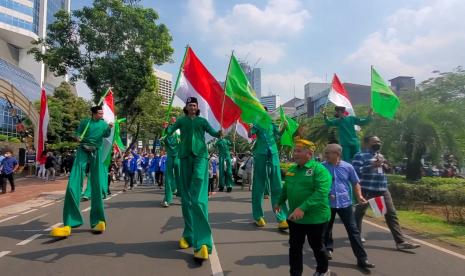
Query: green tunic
point(307, 188)
point(97, 130)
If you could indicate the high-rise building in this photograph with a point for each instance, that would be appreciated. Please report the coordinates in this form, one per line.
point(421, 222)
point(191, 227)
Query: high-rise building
point(21, 77)
point(164, 81)
point(254, 75)
point(313, 88)
point(271, 102)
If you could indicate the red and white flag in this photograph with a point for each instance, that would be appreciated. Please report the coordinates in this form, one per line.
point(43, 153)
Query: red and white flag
point(43, 125)
point(196, 81)
point(339, 96)
point(243, 130)
point(108, 108)
point(378, 206)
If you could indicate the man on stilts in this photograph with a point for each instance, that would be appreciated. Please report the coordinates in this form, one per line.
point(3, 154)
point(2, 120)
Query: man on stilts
point(193, 155)
point(266, 170)
point(172, 174)
point(90, 134)
point(225, 168)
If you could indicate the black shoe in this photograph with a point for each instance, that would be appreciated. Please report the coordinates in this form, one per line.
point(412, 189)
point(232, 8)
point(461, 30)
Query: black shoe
point(229, 189)
point(365, 264)
point(329, 254)
point(221, 189)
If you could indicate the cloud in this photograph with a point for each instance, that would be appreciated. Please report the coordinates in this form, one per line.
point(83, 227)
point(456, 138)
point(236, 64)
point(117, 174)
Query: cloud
point(414, 42)
point(283, 83)
point(248, 29)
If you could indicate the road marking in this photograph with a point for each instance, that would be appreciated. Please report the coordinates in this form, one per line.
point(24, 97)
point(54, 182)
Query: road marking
point(53, 226)
point(46, 205)
point(29, 211)
point(85, 210)
point(6, 219)
point(215, 262)
point(420, 241)
point(4, 253)
point(28, 240)
point(32, 219)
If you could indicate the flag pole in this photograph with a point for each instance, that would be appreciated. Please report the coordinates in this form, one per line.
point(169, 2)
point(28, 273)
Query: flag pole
point(371, 86)
point(170, 106)
point(234, 137)
point(99, 103)
point(224, 90)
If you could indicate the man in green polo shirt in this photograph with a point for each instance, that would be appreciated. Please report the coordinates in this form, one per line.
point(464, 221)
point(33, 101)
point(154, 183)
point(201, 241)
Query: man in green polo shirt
point(225, 169)
point(193, 156)
point(306, 188)
point(345, 124)
point(89, 153)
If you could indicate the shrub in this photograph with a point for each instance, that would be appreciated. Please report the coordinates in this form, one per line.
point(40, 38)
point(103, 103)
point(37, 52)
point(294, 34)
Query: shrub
point(14, 140)
point(3, 137)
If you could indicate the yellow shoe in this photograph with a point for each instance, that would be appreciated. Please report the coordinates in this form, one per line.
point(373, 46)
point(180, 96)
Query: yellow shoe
point(59, 232)
point(261, 222)
point(183, 244)
point(202, 254)
point(283, 225)
point(100, 227)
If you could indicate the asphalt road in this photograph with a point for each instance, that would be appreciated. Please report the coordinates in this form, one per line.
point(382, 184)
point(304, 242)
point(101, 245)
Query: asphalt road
point(141, 239)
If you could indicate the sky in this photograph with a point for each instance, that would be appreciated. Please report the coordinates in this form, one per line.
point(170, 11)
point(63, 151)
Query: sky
point(300, 41)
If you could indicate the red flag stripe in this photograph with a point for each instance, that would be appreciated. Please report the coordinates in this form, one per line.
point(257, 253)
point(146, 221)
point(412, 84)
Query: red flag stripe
point(210, 90)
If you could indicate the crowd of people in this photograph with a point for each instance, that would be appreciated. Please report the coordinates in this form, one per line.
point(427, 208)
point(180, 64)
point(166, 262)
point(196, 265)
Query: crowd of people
point(305, 199)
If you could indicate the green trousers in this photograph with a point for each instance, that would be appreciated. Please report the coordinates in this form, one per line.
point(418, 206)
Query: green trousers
point(349, 151)
point(88, 192)
point(225, 172)
point(194, 192)
point(171, 177)
point(71, 211)
point(262, 174)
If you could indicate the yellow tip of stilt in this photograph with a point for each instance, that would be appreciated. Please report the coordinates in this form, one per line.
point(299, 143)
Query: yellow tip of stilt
point(283, 225)
point(59, 232)
point(261, 222)
point(183, 244)
point(202, 254)
point(100, 227)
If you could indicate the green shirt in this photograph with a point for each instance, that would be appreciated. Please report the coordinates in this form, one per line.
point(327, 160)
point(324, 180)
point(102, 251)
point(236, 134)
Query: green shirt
point(307, 188)
point(223, 146)
point(346, 128)
point(98, 129)
point(171, 144)
point(266, 139)
point(192, 135)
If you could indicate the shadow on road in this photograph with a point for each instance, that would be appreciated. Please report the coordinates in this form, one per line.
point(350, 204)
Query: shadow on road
point(156, 250)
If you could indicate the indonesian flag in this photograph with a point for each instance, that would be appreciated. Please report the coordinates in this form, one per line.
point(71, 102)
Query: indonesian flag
point(243, 130)
point(378, 206)
point(109, 117)
point(43, 125)
point(339, 96)
point(196, 81)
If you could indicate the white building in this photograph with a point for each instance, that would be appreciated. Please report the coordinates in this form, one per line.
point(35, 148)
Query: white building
point(21, 77)
point(164, 81)
point(271, 102)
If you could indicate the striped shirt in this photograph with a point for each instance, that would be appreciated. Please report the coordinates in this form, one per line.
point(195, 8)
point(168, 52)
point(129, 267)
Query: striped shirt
point(371, 178)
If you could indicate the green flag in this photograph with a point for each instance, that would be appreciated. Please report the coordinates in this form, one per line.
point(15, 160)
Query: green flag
point(288, 134)
point(383, 100)
point(238, 88)
point(116, 140)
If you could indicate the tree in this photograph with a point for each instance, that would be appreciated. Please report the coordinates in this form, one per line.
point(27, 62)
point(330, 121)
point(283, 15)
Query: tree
point(113, 43)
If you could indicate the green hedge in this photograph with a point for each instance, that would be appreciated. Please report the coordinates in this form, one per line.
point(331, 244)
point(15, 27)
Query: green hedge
point(3, 137)
point(447, 194)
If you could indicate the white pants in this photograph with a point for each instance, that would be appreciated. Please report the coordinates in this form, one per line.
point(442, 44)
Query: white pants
point(42, 171)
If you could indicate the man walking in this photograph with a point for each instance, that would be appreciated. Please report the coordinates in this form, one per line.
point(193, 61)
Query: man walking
point(343, 176)
point(8, 165)
point(172, 173)
point(225, 169)
point(92, 131)
point(193, 155)
point(266, 170)
point(306, 189)
point(370, 166)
